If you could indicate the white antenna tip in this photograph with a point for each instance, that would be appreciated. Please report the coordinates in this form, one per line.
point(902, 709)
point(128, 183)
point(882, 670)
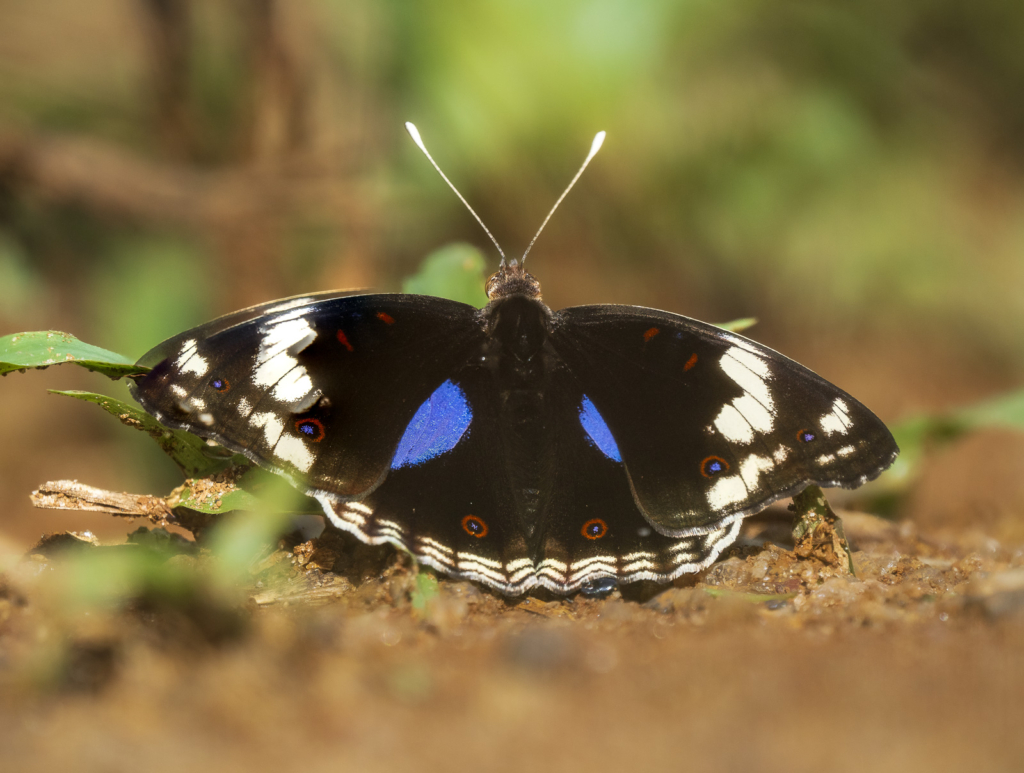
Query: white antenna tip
point(596, 145)
point(415, 134)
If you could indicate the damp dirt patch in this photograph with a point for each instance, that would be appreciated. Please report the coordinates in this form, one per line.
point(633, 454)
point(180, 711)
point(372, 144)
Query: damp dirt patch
point(329, 653)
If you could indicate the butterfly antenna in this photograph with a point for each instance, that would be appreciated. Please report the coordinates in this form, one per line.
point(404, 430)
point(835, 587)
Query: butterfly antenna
point(594, 147)
point(415, 134)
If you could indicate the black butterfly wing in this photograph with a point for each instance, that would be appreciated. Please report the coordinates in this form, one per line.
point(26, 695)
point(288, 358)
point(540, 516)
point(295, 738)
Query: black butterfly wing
point(712, 426)
point(591, 527)
point(519, 508)
point(450, 504)
point(319, 389)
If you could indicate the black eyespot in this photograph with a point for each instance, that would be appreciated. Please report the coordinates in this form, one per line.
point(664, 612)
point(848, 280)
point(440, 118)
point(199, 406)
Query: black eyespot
point(311, 429)
point(474, 526)
point(806, 436)
point(595, 528)
point(220, 384)
point(712, 466)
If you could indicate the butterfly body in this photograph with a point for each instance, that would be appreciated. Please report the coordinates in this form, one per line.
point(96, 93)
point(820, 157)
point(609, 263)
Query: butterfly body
point(513, 445)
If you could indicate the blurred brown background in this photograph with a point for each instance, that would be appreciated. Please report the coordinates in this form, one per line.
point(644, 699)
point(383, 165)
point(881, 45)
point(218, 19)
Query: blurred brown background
point(850, 173)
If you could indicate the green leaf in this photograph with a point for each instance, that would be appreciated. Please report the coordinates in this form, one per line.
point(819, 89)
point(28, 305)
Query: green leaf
point(738, 325)
point(192, 454)
point(43, 348)
point(1003, 411)
point(916, 434)
point(456, 272)
point(256, 489)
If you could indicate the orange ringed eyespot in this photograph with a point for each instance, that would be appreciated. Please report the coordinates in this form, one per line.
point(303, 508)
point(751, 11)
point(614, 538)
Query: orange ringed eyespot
point(474, 526)
point(595, 528)
point(311, 429)
point(806, 436)
point(220, 384)
point(712, 466)
point(650, 333)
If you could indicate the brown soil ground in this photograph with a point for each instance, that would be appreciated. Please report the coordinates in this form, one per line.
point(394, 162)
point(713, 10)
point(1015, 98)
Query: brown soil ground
point(334, 660)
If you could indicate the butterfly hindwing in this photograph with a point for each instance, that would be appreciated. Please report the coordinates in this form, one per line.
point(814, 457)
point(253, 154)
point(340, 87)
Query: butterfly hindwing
point(710, 425)
point(469, 510)
point(320, 390)
point(452, 505)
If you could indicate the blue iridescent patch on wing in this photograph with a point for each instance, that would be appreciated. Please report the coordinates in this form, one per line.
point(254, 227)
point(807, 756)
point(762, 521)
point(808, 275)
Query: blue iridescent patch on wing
point(437, 427)
point(598, 431)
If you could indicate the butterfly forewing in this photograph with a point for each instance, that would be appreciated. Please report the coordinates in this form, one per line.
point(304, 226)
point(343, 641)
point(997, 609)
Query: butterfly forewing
point(322, 390)
point(710, 425)
point(172, 347)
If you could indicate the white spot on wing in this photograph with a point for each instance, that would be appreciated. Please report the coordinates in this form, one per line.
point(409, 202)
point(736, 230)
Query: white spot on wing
point(754, 410)
point(727, 491)
point(749, 371)
point(751, 469)
point(189, 360)
point(293, 449)
point(735, 488)
point(732, 426)
point(838, 420)
point(276, 365)
point(294, 386)
point(272, 427)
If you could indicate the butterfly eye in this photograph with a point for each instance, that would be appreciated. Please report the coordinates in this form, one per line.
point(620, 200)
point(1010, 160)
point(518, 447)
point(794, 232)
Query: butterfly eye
point(474, 527)
point(594, 529)
point(712, 466)
point(220, 384)
point(806, 436)
point(312, 429)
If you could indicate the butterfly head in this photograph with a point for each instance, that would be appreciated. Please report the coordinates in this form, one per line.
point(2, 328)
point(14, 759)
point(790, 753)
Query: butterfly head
point(512, 279)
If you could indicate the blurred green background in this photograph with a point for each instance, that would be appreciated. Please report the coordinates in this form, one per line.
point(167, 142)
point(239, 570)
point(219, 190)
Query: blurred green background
point(852, 173)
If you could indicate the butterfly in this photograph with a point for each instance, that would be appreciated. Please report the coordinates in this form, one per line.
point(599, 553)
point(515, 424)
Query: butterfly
point(514, 445)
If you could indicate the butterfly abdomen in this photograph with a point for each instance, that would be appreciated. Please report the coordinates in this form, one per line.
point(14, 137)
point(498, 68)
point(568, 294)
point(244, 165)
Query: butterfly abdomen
point(519, 361)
